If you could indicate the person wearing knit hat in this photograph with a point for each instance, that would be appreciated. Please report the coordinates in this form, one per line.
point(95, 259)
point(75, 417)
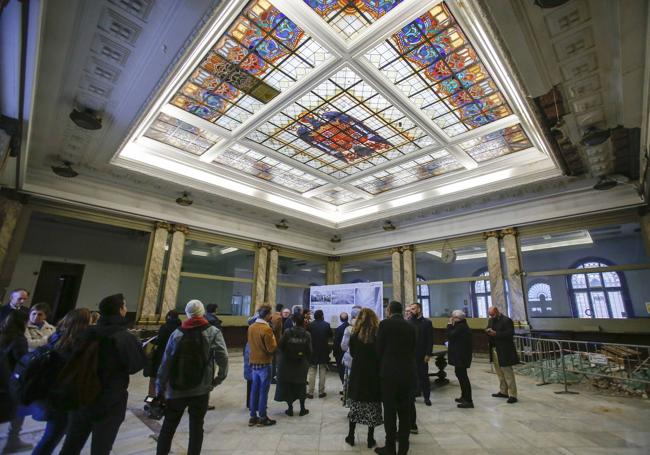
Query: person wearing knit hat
point(186, 376)
point(194, 309)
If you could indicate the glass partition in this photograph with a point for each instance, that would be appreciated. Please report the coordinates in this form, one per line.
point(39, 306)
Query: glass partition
point(590, 273)
point(370, 270)
point(456, 278)
point(295, 277)
point(218, 274)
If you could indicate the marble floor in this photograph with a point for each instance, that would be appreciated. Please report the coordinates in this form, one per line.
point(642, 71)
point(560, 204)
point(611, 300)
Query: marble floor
point(541, 423)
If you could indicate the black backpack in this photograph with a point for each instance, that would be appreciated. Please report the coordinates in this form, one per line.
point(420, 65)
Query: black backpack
point(190, 359)
point(32, 376)
point(295, 348)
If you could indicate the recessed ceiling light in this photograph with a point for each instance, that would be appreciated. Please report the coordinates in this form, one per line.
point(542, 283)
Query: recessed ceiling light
point(352, 269)
point(199, 253)
point(227, 250)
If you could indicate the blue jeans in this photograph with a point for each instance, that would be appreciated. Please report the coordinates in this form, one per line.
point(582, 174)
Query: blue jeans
point(54, 432)
point(260, 391)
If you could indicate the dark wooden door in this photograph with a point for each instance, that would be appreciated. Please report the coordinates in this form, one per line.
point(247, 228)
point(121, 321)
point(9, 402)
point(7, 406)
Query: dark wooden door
point(58, 285)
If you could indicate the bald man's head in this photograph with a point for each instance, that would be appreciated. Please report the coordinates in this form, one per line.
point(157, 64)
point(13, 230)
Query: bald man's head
point(493, 312)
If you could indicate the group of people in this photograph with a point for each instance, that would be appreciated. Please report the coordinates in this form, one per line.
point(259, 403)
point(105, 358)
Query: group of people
point(73, 410)
point(382, 366)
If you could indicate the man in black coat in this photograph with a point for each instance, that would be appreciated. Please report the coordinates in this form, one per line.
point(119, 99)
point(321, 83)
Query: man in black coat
point(423, 349)
point(338, 337)
point(321, 334)
point(17, 302)
point(396, 340)
point(503, 354)
point(120, 355)
point(459, 354)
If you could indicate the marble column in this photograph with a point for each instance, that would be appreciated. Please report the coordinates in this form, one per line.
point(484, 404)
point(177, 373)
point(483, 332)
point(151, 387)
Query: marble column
point(333, 270)
point(515, 279)
point(259, 285)
point(15, 218)
point(174, 269)
point(408, 260)
point(397, 274)
point(149, 299)
point(9, 214)
point(494, 269)
point(272, 278)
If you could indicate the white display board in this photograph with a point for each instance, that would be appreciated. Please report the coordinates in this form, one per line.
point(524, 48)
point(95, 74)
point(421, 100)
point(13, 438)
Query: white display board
point(333, 299)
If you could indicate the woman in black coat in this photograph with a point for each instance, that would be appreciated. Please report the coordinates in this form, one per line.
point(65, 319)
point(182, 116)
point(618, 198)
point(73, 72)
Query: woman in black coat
point(363, 387)
point(13, 345)
point(293, 365)
point(172, 322)
point(459, 354)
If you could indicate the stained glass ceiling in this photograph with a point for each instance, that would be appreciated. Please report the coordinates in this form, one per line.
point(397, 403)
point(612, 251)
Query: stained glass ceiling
point(341, 127)
point(271, 99)
point(351, 17)
point(433, 63)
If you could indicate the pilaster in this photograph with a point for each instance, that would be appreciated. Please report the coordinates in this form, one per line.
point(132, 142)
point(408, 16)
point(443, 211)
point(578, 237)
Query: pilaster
point(408, 266)
point(334, 270)
point(396, 255)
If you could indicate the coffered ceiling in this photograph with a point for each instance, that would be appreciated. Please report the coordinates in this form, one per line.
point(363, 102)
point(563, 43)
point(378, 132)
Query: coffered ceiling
point(334, 114)
point(341, 110)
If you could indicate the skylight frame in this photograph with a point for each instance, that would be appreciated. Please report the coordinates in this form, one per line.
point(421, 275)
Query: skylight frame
point(342, 54)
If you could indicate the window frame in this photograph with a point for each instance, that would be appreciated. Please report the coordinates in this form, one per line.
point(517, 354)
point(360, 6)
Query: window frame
point(475, 295)
point(622, 289)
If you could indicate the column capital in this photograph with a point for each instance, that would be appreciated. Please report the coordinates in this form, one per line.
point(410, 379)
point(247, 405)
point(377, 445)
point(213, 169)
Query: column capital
point(181, 228)
point(509, 231)
point(397, 249)
point(163, 225)
point(264, 245)
point(489, 234)
point(334, 258)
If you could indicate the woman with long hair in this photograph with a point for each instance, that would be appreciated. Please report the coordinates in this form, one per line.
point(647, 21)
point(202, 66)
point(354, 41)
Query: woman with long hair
point(13, 345)
point(363, 389)
point(172, 322)
point(64, 340)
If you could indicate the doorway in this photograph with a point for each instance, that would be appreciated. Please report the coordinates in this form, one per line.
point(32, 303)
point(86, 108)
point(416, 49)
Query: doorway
point(58, 285)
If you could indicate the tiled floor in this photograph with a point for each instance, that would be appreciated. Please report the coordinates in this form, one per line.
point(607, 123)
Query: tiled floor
point(542, 423)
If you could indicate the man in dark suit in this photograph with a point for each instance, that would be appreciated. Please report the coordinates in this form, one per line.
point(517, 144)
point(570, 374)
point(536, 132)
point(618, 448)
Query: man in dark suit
point(459, 355)
point(423, 348)
point(321, 334)
point(396, 340)
point(17, 302)
point(338, 337)
point(503, 354)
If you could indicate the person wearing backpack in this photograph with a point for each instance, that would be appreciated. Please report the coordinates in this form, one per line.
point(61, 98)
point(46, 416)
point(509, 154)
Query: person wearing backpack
point(13, 345)
point(187, 376)
point(63, 341)
point(116, 354)
point(295, 351)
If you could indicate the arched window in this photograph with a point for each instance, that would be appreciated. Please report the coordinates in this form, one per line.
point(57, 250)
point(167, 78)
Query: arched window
point(481, 297)
point(423, 296)
point(539, 298)
point(598, 295)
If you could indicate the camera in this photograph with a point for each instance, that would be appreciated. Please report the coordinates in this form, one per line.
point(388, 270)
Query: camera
point(154, 407)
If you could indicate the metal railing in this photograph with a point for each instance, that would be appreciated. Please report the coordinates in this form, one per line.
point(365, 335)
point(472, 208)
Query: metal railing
point(569, 361)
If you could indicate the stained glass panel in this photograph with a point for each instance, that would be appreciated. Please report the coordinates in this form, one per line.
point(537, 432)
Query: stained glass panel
point(338, 196)
point(422, 168)
point(498, 143)
point(183, 136)
point(341, 127)
point(351, 17)
point(261, 54)
point(267, 168)
point(434, 64)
